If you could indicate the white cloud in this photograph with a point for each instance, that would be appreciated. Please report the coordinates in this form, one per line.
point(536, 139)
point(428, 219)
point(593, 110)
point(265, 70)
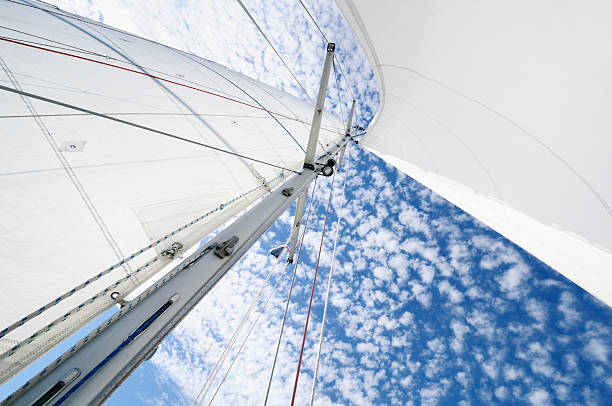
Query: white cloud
point(537, 310)
point(539, 397)
point(597, 350)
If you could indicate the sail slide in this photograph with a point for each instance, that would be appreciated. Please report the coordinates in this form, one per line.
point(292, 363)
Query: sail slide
point(112, 144)
point(503, 108)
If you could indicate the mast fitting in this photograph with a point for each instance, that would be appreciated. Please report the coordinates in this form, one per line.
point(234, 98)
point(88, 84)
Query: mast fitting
point(226, 248)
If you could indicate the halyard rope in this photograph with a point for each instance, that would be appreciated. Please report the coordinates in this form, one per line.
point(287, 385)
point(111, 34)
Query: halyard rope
point(213, 373)
point(329, 281)
point(297, 262)
point(314, 282)
point(263, 308)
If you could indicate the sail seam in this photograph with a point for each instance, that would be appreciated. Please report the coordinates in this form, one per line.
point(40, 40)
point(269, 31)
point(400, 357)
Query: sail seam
point(142, 127)
point(155, 77)
point(66, 164)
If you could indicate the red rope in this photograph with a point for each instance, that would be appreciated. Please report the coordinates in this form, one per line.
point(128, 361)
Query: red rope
point(156, 77)
point(297, 375)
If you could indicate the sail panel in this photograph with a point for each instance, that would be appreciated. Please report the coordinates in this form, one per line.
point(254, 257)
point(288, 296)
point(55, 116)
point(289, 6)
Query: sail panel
point(81, 192)
point(509, 100)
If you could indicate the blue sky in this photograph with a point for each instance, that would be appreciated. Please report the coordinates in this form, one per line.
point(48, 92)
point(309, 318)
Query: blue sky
point(428, 306)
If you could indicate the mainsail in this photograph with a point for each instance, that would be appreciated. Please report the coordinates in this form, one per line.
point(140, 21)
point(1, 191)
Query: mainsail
point(502, 107)
point(115, 148)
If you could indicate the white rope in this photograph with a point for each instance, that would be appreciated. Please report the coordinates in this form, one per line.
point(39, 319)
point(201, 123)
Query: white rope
point(329, 281)
point(297, 262)
point(247, 336)
point(327, 41)
point(274, 49)
point(211, 376)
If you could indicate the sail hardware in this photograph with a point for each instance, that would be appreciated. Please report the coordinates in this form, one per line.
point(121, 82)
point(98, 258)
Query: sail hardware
point(287, 191)
point(174, 249)
point(213, 373)
point(152, 353)
point(226, 248)
point(73, 146)
point(55, 389)
point(118, 297)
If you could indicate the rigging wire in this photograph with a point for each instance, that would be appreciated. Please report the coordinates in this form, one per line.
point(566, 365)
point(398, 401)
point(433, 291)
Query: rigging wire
point(314, 281)
point(252, 98)
point(327, 41)
point(228, 347)
point(297, 262)
point(142, 127)
point(338, 93)
point(274, 49)
point(213, 373)
point(261, 311)
point(329, 281)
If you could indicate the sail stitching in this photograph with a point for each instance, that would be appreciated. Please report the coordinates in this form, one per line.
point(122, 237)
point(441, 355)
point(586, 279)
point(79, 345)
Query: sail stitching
point(513, 123)
point(69, 170)
point(142, 127)
point(255, 100)
point(158, 78)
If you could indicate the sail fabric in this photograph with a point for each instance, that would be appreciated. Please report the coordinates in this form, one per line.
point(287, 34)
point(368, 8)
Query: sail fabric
point(502, 107)
point(80, 192)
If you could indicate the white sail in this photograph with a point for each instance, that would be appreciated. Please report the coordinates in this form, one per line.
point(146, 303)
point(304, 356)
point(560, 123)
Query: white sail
point(80, 192)
point(502, 107)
